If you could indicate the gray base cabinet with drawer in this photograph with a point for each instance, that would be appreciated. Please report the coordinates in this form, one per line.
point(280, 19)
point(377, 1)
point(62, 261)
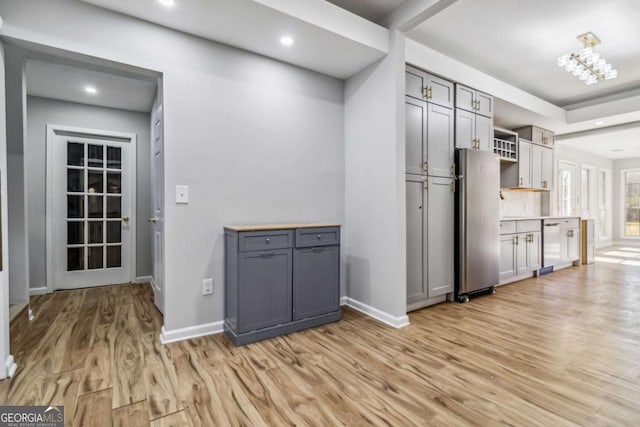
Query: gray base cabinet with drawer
point(280, 281)
point(520, 249)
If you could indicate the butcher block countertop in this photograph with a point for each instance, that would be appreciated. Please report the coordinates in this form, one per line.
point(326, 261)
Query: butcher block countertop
point(267, 227)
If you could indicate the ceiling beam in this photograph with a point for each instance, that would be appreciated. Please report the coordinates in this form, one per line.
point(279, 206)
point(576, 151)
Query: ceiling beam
point(413, 13)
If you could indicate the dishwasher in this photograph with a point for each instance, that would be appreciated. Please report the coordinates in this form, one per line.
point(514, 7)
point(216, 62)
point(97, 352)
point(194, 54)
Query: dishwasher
point(550, 245)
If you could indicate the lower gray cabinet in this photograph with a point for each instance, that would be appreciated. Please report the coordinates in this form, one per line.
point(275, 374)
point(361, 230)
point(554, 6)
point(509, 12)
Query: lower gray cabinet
point(430, 242)
point(520, 249)
point(264, 297)
point(313, 269)
point(279, 281)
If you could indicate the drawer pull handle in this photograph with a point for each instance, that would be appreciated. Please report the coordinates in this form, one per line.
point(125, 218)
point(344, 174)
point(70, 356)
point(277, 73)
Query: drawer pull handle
point(267, 240)
point(266, 254)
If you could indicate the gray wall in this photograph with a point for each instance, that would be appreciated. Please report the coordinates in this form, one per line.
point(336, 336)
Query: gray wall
point(42, 111)
point(4, 274)
point(375, 185)
point(618, 167)
point(17, 209)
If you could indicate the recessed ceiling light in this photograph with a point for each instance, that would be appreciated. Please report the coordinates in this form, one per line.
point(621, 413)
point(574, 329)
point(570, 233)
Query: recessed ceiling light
point(599, 123)
point(168, 3)
point(286, 40)
point(91, 90)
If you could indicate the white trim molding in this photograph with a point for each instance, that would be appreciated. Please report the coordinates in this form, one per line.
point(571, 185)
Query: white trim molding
point(10, 366)
point(143, 279)
point(167, 337)
point(40, 290)
point(386, 318)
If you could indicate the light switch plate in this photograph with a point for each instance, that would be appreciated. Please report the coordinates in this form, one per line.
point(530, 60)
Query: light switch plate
point(182, 194)
point(207, 287)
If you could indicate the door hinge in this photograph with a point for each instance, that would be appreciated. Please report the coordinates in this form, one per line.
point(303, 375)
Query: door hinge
point(427, 92)
point(426, 183)
point(426, 166)
point(515, 240)
point(453, 170)
point(453, 185)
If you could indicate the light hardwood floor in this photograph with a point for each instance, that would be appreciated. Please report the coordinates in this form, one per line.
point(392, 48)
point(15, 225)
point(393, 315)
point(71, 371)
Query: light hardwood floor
point(563, 349)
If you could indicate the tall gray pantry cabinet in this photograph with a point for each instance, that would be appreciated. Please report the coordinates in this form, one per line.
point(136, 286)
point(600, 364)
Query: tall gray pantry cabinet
point(280, 279)
point(430, 187)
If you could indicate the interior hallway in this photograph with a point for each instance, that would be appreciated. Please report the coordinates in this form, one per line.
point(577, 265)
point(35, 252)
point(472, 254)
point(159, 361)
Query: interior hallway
point(560, 349)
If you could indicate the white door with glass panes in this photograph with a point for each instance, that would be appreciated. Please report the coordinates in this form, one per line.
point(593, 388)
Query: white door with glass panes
point(566, 188)
point(92, 220)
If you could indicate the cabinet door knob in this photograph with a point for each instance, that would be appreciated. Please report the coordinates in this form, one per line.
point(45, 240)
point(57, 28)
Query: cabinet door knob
point(267, 240)
point(319, 236)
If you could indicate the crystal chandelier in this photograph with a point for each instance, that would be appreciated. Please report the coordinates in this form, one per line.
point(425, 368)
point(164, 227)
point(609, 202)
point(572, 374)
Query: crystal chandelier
point(587, 65)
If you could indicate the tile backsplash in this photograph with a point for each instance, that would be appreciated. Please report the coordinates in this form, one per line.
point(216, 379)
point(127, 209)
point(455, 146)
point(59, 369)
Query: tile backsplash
point(520, 203)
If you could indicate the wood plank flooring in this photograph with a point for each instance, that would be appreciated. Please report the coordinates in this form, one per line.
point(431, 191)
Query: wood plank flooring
point(562, 349)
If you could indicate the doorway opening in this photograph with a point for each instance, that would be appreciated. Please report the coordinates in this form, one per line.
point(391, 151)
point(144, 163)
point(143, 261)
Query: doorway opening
point(85, 185)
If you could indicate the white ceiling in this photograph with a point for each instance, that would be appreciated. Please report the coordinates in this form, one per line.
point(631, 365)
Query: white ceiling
point(519, 41)
point(625, 142)
point(68, 83)
point(373, 10)
point(258, 27)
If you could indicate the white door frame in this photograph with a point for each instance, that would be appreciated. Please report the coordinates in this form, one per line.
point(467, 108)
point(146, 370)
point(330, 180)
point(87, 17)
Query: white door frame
point(53, 131)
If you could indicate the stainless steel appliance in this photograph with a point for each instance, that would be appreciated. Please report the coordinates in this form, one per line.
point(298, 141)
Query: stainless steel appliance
point(478, 222)
point(550, 244)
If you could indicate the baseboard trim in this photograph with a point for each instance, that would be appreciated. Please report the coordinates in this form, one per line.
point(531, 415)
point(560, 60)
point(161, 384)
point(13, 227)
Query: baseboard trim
point(630, 242)
point(38, 291)
point(174, 335)
point(386, 318)
point(10, 366)
point(143, 279)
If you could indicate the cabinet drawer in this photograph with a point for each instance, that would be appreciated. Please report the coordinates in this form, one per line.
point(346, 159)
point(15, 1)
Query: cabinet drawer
point(572, 223)
point(265, 240)
point(528, 226)
point(311, 237)
point(507, 227)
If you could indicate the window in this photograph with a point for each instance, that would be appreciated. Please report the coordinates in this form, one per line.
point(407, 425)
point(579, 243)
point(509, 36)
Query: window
point(566, 193)
point(631, 208)
point(604, 205)
point(585, 183)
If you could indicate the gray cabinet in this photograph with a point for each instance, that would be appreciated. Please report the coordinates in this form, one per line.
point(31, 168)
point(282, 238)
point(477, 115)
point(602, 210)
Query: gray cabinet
point(473, 131)
point(279, 281)
point(507, 256)
point(440, 235)
point(264, 294)
point(474, 101)
point(429, 147)
point(537, 135)
point(313, 269)
point(533, 170)
point(426, 87)
point(569, 240)
point(520, 249)
point(430, 238)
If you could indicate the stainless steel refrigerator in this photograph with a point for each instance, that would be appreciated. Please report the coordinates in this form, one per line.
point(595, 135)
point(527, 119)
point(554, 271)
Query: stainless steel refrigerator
point(478, 222)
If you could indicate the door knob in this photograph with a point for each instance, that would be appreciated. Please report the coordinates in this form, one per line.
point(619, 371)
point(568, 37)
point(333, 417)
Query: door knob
point(125, 218)
point(152, 219)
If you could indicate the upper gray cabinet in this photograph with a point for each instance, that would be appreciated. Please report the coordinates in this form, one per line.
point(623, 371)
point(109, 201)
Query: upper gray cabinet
point(429, 147)
point(537, 135)
point(474, 101)
point(473, 131)
point(427, 87)
point(416, 135)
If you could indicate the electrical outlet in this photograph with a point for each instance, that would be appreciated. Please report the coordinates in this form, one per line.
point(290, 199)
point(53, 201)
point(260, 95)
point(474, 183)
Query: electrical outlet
point(207, 287)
